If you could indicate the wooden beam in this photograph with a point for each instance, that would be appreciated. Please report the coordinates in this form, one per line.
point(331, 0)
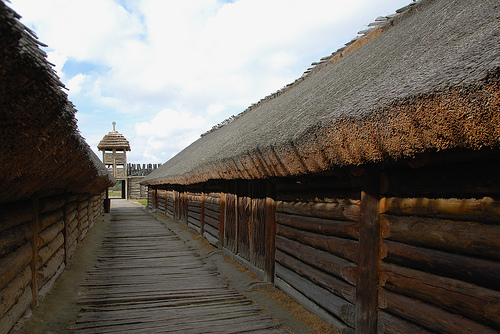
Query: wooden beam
point(367, 283)
point(202, 218)
point(222, 210)
point(270, 232)
point(34, 247)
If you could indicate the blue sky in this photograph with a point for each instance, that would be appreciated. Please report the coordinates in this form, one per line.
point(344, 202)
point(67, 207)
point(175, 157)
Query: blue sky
point(167, 71)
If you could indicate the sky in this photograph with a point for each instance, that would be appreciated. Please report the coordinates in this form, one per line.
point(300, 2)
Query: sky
point(167, 71)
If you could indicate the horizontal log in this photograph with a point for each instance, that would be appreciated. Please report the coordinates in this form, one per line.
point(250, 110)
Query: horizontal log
point(213, 214)
point(312, 307)
point(330, 263)
point(14, 237)
point(325, 280)
point(212, 201)
point(212, 222)
point(481, 272)
point(430, 317)
point(194, 221)
point(13, 263)
point(211, 230)
point(340, 228)
point(82, 214)
point(194, 209)
point(483, 210)
point(45, 272)
point(45, 253)
point(194, 227)
point(47, 235)
point(73, 236)
point(318, 195)
point(212, 206)
point(476, 239)
point(83, 204)
point(344, 248)
point(49, 218)
point(53, 203)
point(83, 233)
point(335, 305)
point(12, 214)
point(48, 286)
point(211, 239)
point(13, 291)
point(72, 225)
point(71, 215)
point(72, 249)
point(476, 303)
point(390, 324)
point(342, 210)
point(15, 312)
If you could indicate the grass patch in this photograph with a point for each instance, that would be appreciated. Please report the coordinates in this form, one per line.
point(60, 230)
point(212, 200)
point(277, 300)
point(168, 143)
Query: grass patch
point(143, 201)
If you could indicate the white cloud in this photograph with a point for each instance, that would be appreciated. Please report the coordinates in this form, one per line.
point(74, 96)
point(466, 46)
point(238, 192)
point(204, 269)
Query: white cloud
point(169, 70)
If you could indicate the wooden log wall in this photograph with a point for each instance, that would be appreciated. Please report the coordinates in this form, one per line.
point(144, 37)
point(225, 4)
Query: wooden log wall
point(440, 250)
point(317, 244)
point(38, 237)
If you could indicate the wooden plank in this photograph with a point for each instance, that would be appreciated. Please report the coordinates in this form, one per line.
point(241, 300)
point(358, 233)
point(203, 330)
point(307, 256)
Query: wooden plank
point(339, 228)
point(270, 232)
point(476, 239)
point(471, 301)
point(335, 305)
point(393, 325)
point(319, 277)
point(345, 248)
point(367, 270)
point(222, 220)
point(481, 272)
point(37, 226)
point(429, 317)
point(330, 263)
point(342, 209)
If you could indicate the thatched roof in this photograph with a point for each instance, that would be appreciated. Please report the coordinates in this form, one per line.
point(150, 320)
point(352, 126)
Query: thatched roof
point(41, 148)
point(113, 140)
point(424, 80)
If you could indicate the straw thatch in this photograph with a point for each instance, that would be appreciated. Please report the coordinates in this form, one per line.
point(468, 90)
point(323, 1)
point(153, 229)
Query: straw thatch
point(113, 140)
point(41, 148)
point(424, 80)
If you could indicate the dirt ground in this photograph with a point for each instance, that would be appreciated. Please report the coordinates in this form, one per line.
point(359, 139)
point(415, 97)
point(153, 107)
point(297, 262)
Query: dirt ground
point(59, 307)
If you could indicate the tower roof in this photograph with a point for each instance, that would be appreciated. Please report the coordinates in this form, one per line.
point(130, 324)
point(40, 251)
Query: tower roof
point(112, 140)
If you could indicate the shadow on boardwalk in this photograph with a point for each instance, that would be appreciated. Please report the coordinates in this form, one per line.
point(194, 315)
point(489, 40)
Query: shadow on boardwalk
point(141, 274)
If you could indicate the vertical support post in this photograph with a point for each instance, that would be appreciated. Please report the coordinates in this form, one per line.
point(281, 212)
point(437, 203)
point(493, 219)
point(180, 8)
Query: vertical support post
point(202, 218)
point(166, 200)
point(35, 202)
point(367, 285)
point(270, 232)
point(66, 229)
point(222, 217)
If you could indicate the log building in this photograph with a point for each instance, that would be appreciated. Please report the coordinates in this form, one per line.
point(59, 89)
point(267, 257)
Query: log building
point(52, 184)
point(369, 188)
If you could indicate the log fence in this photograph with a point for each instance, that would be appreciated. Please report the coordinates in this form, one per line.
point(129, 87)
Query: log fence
point(381, 249)
point(38, 238)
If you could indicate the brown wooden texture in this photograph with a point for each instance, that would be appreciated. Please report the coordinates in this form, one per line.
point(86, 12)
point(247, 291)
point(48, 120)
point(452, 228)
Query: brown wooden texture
point(230, 223)
point(475, 239)
point(270, 232)
point(485, 273)
point(340, 228)
point(134, 291)
point(429, 317)
point(244, 228)
point(202, 218)
point(341, 209)
point(222, 220)
point(34, 248)
point(327, 262)
point(340, 307)
point(336, 286)
point(12, 214)
point(485, 209)
point(482, 305)
point(345, 248)
point(11, 293)
point(367, 270)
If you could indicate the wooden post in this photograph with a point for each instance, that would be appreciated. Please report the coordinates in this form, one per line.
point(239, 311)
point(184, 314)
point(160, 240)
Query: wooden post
point(202, 218)
point(222, 215)
point(35, 202)
point(66, 229)
point(367, 284)
point(270, 232)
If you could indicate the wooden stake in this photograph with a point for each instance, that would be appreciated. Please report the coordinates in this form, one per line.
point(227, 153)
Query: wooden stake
point(34, 247)
point(369, 236)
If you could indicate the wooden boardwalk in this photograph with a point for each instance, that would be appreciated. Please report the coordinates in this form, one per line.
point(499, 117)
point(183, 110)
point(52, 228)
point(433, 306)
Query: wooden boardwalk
point(148, 281)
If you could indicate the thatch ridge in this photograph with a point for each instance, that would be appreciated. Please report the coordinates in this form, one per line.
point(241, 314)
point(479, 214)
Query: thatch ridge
point(413, 88)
